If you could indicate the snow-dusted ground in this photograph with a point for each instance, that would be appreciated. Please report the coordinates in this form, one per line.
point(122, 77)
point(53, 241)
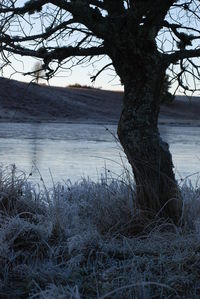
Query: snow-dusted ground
point(31, 102)
point(86, 240)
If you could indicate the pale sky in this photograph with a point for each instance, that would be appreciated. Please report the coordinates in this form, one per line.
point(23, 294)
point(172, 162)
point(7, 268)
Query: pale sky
point(79, 74)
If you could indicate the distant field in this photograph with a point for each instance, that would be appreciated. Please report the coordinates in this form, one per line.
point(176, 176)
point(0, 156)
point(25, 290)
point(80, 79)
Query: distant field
point(31, 102)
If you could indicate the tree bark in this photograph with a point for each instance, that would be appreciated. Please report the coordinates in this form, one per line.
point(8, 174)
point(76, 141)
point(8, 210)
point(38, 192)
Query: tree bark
point(157, 190)
point(151, 161)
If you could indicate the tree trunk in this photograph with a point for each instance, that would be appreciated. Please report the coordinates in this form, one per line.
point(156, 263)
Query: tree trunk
point(142, 69)
point(157, 190)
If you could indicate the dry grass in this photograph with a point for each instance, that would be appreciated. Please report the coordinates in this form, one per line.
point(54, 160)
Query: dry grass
point(81, 241)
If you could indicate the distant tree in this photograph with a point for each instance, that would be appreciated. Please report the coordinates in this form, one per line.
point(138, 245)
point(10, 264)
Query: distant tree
point(166, 97)
point(142, 39)
point(77, 85)
point(38, 71)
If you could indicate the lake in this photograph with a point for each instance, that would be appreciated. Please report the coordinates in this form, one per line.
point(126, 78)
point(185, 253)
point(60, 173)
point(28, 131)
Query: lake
point(59, 151)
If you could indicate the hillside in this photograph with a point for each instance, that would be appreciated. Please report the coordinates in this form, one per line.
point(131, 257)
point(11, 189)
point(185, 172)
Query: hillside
point(31, 102)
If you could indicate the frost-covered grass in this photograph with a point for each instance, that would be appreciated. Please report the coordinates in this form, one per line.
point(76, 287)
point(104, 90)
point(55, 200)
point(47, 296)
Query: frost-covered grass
point(85, 240)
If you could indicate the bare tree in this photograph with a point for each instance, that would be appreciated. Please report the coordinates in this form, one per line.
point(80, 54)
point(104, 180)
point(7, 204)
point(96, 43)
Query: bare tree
point(142, 39)
point(38, 71)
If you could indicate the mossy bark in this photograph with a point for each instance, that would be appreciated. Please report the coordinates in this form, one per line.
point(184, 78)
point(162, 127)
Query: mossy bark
point(148, 154)
point(151, 161)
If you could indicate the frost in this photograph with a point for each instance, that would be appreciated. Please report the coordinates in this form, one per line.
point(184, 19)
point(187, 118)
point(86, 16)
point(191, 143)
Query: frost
point(80, 241)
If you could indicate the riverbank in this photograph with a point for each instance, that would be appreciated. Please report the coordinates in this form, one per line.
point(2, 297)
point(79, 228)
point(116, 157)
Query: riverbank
point(84, 240)
point(23, 102)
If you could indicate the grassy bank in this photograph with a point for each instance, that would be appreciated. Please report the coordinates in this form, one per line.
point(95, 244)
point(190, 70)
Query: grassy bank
point(81, 241)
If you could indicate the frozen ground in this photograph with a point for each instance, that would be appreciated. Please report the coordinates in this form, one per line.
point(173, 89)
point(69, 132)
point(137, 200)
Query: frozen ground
point(86, 240)
point(30, 102)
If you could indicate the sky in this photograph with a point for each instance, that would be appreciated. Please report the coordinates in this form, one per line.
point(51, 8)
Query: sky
point(79, 74)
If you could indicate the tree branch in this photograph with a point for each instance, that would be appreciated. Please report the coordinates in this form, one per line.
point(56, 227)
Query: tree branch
point(59, 54)
point(93, 78)
point(86, 15)
point(180, 55)
point(5, 38)
point(30, 6)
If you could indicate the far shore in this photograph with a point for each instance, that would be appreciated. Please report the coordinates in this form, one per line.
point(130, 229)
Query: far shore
point(32, 103)
point(162, 122)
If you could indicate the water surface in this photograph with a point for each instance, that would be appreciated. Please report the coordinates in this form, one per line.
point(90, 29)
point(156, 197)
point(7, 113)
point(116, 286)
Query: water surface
point(72, 151)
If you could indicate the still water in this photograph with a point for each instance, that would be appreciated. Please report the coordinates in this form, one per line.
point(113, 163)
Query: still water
point(60, 151)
